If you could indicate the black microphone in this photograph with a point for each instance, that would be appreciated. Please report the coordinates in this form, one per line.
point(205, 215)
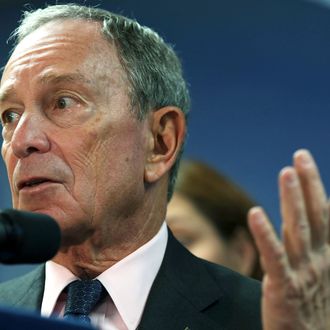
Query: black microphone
point(27, 237)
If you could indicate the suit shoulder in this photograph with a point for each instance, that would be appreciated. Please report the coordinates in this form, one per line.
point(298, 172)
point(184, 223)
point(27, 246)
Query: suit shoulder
point(232, 281)
point(240, 294)
point(224, 297)
point(23, 290)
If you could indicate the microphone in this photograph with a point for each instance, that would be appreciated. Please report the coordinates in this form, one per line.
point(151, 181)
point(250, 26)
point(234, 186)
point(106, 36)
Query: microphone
point(27, 237)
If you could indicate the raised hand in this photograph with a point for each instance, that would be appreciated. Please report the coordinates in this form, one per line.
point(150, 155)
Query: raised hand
point(296, 286)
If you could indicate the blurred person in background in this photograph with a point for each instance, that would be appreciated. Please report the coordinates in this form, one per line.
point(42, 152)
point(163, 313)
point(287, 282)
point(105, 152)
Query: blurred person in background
point(208, 214)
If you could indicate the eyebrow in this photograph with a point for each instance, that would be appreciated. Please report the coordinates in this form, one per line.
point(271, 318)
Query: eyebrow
point(63, 78)
point(48, 78)
point(6, 92)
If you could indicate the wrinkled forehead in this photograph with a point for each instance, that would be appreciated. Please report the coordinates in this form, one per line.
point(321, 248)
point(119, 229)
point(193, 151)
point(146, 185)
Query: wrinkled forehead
point(73, 30)
point(62, 42)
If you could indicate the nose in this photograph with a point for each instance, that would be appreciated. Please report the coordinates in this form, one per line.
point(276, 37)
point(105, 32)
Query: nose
point(29, 136)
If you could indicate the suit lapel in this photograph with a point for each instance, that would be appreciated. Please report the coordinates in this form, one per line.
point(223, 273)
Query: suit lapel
point(182, 291)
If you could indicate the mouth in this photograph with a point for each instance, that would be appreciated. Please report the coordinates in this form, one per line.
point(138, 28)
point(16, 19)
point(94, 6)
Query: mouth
point(34, 182)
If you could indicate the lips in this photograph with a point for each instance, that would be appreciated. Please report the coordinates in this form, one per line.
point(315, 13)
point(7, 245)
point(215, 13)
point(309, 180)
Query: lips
point(33, 182)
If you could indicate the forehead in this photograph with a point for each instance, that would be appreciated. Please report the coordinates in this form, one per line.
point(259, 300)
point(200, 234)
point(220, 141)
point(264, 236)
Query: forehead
point(62, 45)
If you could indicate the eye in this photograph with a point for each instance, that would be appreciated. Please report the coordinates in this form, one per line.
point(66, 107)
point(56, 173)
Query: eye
point(65, 102)
point(66, 108)
point(9, 117)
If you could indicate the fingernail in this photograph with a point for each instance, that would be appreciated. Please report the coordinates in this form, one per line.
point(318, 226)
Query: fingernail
point(291, 179)
point(304, 157)
point(256, 213)
point(289, 176)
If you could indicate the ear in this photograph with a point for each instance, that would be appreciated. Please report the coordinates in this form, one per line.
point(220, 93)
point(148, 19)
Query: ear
point(167, 131)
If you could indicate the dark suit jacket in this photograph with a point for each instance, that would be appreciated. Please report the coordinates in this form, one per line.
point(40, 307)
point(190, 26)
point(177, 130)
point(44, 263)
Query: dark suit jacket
point(188, 294)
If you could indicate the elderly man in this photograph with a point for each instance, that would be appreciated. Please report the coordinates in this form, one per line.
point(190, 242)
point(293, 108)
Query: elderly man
point(93, 109)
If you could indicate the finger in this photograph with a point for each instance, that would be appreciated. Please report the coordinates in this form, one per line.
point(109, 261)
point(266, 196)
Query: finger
point(272, 253)
point(295, 226)
point(314, 195)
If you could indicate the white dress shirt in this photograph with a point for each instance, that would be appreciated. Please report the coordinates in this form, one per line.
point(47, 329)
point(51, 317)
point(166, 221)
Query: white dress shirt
point(128, 284)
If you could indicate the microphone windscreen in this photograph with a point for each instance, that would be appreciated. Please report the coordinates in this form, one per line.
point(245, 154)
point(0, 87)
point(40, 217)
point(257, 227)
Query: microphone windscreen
point(27, 237)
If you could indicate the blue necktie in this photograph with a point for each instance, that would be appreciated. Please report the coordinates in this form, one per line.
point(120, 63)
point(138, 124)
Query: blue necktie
point(83, 296)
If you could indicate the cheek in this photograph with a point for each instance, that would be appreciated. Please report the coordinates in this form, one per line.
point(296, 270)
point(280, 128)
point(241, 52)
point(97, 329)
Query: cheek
point(10, 166)
point(10, 161)
point(5, 153)
point(97, 160)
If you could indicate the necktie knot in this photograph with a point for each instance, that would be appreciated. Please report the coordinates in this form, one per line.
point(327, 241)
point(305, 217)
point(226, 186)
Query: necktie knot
point(83, 296)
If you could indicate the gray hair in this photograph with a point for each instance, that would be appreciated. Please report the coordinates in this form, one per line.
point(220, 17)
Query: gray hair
point(153, 69)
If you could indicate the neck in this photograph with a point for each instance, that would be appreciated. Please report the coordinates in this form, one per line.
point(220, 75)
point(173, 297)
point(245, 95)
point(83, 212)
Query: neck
point(88, 260)
point(112, 242)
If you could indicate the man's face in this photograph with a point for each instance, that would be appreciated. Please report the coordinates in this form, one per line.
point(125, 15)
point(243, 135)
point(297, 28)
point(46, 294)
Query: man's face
point(72, 147)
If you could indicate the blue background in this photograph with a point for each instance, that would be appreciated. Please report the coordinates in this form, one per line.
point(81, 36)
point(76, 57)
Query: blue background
point(258, 72)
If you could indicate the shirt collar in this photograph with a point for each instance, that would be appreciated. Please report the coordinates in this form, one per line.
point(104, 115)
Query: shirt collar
point(128, 282)
point(57, 278)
